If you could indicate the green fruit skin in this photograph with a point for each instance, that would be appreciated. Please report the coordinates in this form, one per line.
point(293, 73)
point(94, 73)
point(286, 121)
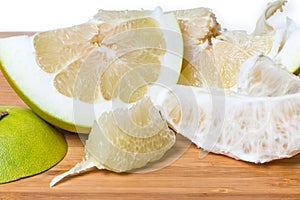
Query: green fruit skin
point(60, 123)
point(28, 145)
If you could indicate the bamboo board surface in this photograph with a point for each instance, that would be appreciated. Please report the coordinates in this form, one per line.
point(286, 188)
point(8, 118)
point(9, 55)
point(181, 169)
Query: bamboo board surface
point(189, 177)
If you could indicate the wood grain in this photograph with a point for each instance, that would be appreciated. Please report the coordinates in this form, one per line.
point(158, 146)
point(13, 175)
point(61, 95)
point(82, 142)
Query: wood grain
point(189, 177)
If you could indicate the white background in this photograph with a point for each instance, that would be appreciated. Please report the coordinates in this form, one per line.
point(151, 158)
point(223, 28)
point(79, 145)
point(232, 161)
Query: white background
point(39, 15)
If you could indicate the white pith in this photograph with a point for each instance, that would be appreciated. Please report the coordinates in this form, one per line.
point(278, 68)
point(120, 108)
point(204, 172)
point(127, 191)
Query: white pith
point(224, 123)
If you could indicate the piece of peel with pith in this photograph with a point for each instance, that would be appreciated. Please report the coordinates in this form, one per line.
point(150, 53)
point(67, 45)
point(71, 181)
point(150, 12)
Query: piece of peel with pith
point(253, 129)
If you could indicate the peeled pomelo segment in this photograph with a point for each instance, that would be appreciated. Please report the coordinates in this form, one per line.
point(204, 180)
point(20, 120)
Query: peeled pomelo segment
point(124, 153)
point(198, 26)
point(212, 57)
point(261, 76)
point(229, 49)
point(125, 139)
point(253, 129)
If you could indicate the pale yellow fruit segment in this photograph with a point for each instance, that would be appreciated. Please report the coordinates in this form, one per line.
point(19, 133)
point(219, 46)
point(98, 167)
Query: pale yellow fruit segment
point(228, 49)
point(119, 143)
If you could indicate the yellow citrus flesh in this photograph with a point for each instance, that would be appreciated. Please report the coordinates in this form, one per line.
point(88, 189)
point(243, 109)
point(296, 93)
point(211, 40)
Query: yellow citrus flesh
point(102, 72)
point(122, 147)
point(200, 72)
point(67, 46)
point(197, 25)
point(121, 144)
point(228, 60)
point(125, 139)
point(250, 43)
point(189, 75)
point(219, 64)
point(227, 49)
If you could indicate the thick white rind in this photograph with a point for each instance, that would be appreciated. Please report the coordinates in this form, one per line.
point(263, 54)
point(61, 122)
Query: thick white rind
point(207, 116)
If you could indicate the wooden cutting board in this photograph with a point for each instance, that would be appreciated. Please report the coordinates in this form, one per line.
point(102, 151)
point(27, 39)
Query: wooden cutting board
point(188, 177)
